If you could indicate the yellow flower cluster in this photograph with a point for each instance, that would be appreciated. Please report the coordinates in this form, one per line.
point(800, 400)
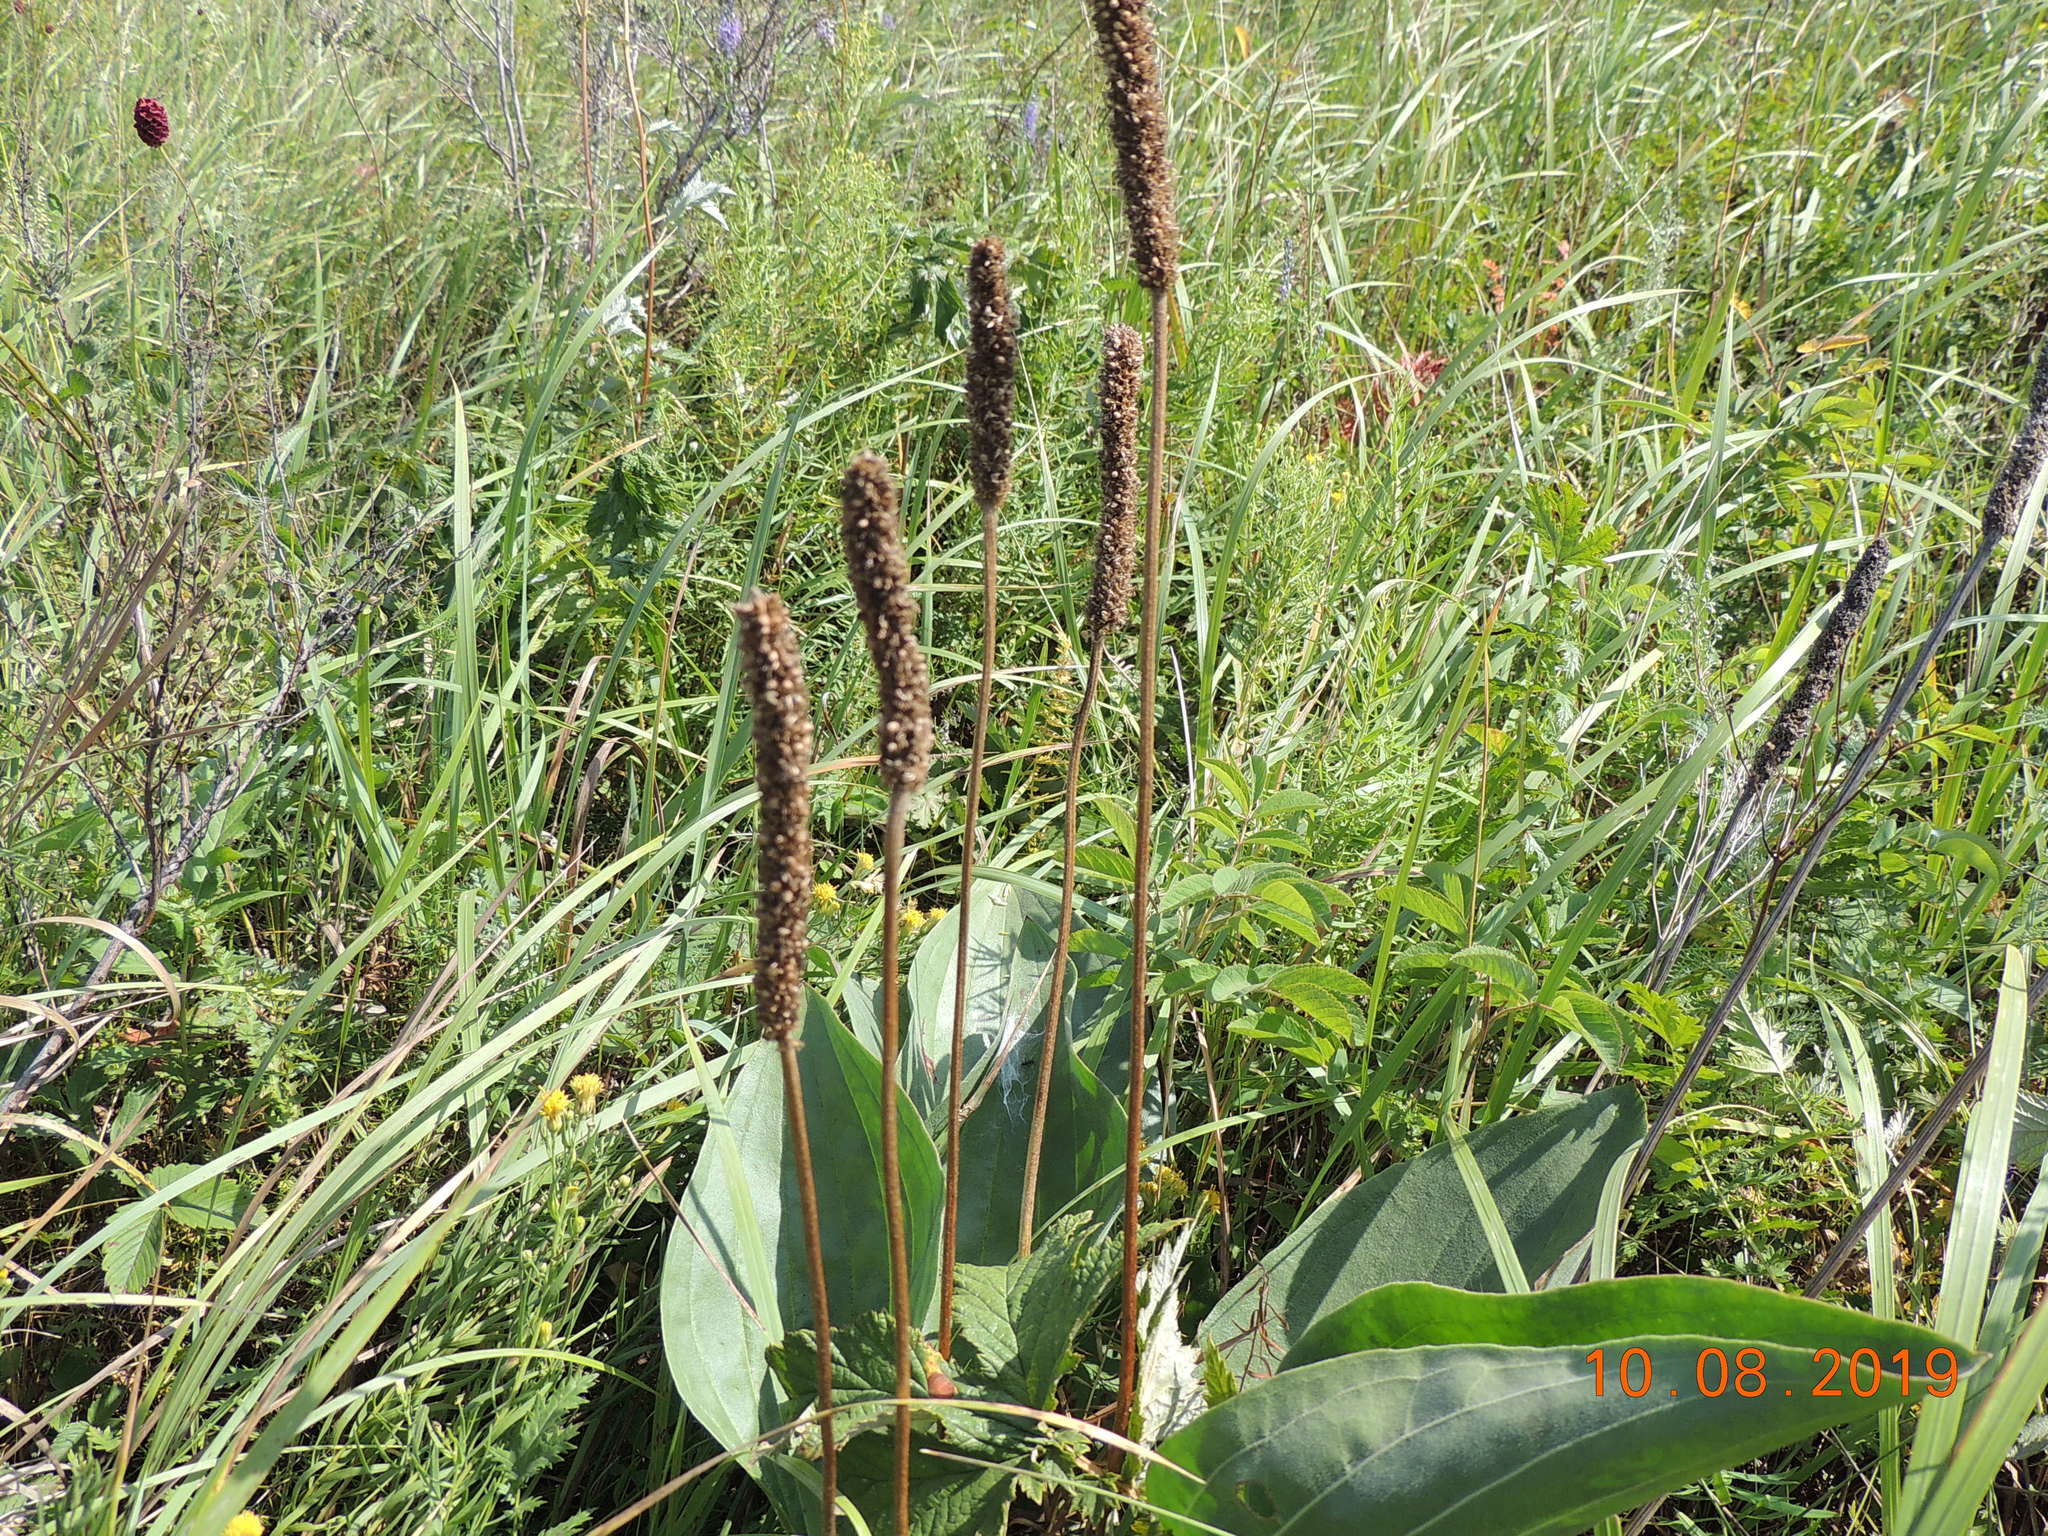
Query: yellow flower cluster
point(555, 1105)
point(554, 1108)
point(244, 1524)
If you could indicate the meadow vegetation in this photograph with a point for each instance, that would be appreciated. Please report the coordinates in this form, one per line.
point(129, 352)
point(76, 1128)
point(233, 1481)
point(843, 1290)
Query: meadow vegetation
point(382, 459)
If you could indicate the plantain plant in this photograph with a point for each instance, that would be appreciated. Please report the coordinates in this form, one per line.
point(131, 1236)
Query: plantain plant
point(1442, 1348)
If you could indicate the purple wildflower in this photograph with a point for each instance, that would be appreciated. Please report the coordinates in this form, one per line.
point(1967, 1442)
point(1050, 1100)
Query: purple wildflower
point(727, 34)
point(1031, 122)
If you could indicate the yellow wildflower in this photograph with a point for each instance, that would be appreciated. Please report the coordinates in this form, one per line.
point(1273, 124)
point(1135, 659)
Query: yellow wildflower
point(554, 1108)
point(825, 896)
point(863, 864)
point(244, 1524)
point(586, 1086)
point(914, 920)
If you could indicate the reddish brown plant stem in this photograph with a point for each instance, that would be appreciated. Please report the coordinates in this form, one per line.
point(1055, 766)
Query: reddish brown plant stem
point(807, 1202)
point(892, 1174)
point(1141, 894)
point(1041, 1102)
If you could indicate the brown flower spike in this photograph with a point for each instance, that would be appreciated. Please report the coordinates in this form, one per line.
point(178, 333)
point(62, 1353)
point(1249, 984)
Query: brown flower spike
point(888, 613)
point(1795, 718)
point(2023, 465)
point(1116, 531)
point(991, 372)
point(782, 760)
point(152, 122)
point(1137, 126)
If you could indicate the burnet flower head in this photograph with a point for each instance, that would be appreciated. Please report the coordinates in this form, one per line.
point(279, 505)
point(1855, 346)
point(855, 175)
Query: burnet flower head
point(152, 122)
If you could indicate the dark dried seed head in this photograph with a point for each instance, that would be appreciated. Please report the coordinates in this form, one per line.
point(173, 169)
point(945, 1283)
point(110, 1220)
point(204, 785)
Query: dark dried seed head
point(782, 758)
point(1795, 716)
point(1116, 531)
point(1137, 127)
point(888, 613)
point(991, 373)
point(2023, 464)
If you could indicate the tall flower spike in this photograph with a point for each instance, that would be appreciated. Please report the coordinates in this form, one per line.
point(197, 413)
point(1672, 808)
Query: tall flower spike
point(1795, 717)
point(2023, 465)
point(991, 372)
point(1116, 531)
point(152, 122)
point(782, 760)
point(880, 576)
point(774, 670)
point(1137, 126)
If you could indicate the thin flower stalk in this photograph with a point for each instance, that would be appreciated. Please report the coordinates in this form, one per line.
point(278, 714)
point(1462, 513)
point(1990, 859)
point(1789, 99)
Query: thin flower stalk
point(1129, 48)
point(1109, 605)
point(880, 576)
point(773, 667)
point(991, 409)
point(1141, 893)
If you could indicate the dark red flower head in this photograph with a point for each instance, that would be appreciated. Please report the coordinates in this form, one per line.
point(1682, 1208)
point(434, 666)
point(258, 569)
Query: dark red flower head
point(152, 123)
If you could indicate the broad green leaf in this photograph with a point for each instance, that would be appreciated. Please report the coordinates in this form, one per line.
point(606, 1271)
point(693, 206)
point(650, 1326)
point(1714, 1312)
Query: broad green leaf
point(1415, 1222)
point(1009, 990)
point(1331, 978)
point(1286, 802)
point(1084, 1144)
point(1599, 1025)
point(718, 1312)
point(1422, 1411)
point(1336, 1015)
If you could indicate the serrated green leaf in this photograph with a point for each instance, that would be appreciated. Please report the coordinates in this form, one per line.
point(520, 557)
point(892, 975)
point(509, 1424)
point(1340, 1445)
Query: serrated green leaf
point(132, 1255)
point(1331, 1012)
point(1500, 967)
point(1022, 1317)
point(1331, 978)
point(1430, 905)
point(213, 1205)
point(1600, 1025)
